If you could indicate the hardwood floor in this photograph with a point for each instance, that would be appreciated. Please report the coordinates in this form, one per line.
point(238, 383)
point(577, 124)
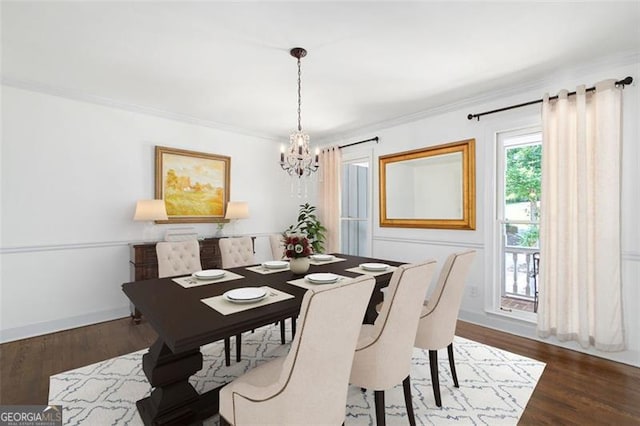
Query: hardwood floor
point(574, 389)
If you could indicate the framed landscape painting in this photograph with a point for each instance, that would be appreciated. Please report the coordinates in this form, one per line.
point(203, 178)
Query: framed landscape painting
point(194, 185)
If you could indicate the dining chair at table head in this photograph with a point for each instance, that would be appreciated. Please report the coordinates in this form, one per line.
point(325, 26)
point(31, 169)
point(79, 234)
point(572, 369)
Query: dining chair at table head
point(236, 252)
point(277, 246)
point(383, 355)
point(178, 258)
point(439, 316)
point(309, 385)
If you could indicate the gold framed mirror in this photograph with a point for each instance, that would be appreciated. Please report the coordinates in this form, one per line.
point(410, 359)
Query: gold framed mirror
point(432, 187)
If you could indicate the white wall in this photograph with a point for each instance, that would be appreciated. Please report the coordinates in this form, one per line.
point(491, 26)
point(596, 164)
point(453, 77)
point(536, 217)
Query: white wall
point(452, 125)
point(71, 174)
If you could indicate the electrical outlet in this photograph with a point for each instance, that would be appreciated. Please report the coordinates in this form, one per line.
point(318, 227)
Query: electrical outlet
point(474, 291)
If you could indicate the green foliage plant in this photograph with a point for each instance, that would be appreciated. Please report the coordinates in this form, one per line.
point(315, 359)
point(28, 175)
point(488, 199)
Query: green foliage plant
point(523, 176)
point(309, 225)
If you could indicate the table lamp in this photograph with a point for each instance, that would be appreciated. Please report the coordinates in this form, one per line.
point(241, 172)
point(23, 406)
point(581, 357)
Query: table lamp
point(235, 210)
point(150, 211)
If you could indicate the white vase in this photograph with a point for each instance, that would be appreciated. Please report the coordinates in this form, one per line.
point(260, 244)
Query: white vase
point(299, 265)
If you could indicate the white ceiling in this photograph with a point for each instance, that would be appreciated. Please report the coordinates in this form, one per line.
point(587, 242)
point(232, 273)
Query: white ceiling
point(227, 64)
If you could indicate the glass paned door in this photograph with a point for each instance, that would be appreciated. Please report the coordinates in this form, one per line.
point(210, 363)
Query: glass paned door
point(354, 220)
point(519, 186)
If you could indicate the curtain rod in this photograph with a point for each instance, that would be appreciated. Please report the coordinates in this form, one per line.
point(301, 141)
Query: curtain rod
point(623, 82)
point(358, 143)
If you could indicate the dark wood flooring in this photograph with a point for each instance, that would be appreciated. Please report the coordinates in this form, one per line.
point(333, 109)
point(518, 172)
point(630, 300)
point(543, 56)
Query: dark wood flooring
point(574, 389)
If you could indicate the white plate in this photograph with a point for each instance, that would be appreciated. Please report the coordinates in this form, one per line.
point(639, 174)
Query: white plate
point(209, 274)
point(322, 278)
point(245, 295)
point(275, 264)
point(322, 257)
point(374, 267)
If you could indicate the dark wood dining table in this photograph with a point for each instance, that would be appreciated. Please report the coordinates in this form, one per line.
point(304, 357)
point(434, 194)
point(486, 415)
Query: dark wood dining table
point(184, 324)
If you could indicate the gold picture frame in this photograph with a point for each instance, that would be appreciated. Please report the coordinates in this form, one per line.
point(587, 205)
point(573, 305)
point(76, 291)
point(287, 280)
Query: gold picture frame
point(433, 187)
point(195, 186)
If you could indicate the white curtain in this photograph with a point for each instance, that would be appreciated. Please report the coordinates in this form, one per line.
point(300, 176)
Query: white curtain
point(580, 292)
point(329, 196)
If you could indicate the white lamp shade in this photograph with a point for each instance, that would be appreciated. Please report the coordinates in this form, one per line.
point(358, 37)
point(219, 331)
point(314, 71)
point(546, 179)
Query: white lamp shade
point(237, 210)
point(150, 210)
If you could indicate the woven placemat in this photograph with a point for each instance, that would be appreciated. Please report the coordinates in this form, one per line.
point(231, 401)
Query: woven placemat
point(190, 281)
point(265, 271)
point(359, 270)
point(222, 305)
point(326, 262)
point(301, 282)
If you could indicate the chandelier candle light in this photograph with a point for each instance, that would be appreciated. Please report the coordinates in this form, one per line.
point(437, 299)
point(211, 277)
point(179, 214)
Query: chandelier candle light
point(297, 159)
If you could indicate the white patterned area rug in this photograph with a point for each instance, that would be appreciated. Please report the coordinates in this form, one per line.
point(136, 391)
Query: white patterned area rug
point(495, 385)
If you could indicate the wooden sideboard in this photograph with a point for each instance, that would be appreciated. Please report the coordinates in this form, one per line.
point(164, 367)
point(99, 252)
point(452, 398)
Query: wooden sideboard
point(143, 261)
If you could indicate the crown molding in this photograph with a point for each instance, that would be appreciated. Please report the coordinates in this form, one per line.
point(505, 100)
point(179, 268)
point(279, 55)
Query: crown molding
point(78, 95)
point(602, 64)
point(618, 60)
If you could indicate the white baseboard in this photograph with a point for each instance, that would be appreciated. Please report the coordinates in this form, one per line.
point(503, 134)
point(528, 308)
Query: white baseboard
point(527, 330)
point(31, 330)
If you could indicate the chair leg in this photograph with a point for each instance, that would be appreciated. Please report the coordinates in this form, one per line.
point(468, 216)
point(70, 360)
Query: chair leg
point(452, 364)
point(282, 339)
point(293, 327)
point(379, 401)
point(238, 347)
point(227, 351)
point(433, 363)
point(406, 385)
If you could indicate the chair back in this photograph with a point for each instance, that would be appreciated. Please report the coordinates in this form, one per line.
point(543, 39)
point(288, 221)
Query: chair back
point(277, 246)
point(178, 257)
point(383, 355)
point(438, 318)
point(313, 382)
point(236, 252)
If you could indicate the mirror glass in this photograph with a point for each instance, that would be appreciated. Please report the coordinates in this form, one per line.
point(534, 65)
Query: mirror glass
point(429, 188)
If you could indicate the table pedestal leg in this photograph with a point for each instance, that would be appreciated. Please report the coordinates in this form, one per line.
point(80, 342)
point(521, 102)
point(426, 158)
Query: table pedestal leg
point(370, 314)
point(173, 401)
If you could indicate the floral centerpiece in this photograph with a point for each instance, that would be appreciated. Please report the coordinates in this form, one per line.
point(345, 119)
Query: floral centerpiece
point(296, 246)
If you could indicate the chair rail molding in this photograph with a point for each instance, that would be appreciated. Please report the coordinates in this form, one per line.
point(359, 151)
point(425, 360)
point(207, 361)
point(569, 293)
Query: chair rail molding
point(633, 256)
point(62, 246)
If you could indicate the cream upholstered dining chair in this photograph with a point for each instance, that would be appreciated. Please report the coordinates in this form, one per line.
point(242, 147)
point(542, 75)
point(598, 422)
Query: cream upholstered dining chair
point(277, 246)
point(180, 258)
point(309, 385)
point(278, 253)
point(382, 358)
point(177, 258)
point(236, 252)
point(438, 319)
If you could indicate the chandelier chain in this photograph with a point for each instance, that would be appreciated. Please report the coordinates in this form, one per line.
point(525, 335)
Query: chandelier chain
point(299, 96)
point(297, 160)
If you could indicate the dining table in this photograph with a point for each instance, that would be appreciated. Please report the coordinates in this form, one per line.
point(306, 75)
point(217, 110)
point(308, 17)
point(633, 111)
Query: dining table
point(188, 314)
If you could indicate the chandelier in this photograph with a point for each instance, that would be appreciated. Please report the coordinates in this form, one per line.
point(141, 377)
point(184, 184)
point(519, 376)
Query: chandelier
point(297, 159)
